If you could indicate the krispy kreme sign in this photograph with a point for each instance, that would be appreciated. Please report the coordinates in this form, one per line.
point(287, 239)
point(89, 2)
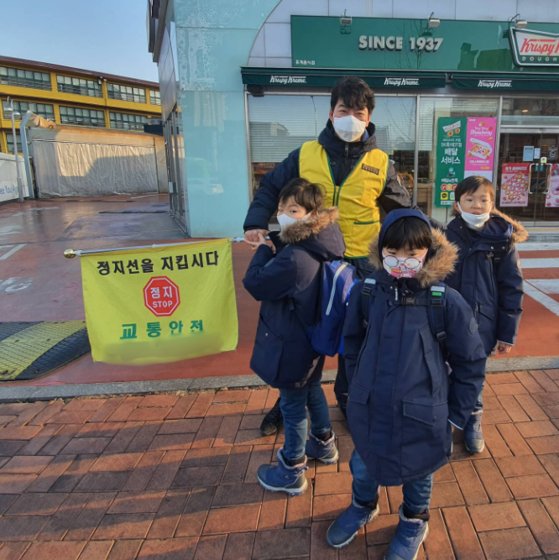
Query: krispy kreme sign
point(534, 48)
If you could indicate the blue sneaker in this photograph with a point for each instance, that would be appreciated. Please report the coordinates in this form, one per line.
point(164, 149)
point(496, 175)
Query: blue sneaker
point(407, 540)
point(347, 525)
point(324, 451)
point(473, 436)
point(282, 477)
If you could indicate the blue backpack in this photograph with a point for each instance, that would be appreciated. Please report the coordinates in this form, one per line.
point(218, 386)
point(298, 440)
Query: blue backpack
point(337, 279)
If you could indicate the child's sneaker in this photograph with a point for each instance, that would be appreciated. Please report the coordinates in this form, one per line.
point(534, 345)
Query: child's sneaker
point(283, 477)
point(348, 523)
point(324, 451)
point(473, 436)
point(407, 540)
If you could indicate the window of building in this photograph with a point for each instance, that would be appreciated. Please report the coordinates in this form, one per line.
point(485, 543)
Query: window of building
point(154, 97)
point(78, 86)
point(84, 117)
point(10, 142)
point(126, 93)
point(42, 109)
point(530, 111)
point(127, 121)
point(281, 123)
point(25, 78)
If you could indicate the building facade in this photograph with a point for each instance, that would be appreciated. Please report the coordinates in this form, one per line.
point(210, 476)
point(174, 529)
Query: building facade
point(72, 96)
point(462, 88)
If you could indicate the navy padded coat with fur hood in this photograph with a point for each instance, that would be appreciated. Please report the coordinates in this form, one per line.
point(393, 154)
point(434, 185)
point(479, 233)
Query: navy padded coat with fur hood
point(401, 394)
point(493, 288)
point(287, 284)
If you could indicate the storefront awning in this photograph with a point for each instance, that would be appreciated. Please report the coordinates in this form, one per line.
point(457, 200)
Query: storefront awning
point(505, 82)
point(300, 78)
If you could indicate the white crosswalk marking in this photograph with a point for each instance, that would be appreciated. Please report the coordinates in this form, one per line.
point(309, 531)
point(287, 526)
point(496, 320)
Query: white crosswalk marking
point(10, 250)
point(548, 302)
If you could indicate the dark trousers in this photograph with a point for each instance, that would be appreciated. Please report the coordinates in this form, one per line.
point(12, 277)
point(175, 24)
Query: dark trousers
point(341, 386)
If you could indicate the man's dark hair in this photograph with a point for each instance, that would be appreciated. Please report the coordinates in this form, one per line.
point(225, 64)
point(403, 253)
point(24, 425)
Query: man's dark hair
point(354, 92)
point(308, 195)
point(408, 233)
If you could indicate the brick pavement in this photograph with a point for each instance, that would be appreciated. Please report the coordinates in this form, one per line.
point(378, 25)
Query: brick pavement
point(168, 476)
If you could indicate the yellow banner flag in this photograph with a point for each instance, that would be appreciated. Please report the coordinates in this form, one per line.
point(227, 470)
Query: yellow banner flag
point(160, 304)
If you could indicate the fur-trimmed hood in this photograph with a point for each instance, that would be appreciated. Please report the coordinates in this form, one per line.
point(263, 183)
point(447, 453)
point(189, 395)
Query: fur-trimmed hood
point(319, 234)
point(440, 259)
point(519, 233)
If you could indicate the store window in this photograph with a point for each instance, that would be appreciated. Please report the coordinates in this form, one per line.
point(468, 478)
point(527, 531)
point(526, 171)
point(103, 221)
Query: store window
point(83, 117)
point(78, 86)
point(430, 109)
point(530, 111)
point(127, 121)
point(154, 97)
point(24, 78)
point(394, 118)
point(42, 109)
point(126, 93)
point(281, 123)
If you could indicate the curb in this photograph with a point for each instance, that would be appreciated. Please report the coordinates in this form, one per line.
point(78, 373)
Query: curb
point(13, 393)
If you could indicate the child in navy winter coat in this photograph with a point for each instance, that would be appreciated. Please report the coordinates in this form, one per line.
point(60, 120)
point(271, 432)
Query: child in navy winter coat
point(402, 397)
point(286, 279)
point(487, 275)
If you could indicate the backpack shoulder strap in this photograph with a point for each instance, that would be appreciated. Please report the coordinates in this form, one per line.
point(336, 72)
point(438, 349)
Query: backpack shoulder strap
point(367, 292)
point(435, 310)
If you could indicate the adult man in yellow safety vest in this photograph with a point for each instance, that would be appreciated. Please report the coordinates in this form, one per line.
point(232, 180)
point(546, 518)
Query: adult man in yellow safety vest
point(357, 177)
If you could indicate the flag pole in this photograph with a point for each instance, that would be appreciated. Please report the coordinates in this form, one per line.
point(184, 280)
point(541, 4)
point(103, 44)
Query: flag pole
point(72, 253)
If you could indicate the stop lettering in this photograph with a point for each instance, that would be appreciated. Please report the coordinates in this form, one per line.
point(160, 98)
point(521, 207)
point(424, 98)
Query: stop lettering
point(161, 296)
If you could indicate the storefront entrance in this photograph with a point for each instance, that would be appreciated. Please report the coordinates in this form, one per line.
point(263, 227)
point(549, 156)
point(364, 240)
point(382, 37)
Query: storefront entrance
point(528, 175)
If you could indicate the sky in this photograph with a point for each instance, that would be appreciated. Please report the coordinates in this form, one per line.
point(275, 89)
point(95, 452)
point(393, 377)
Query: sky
point(106, 36)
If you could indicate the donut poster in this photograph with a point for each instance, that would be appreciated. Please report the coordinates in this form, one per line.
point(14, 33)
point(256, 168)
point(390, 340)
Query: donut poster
point(480, 146)
point(515, 183)
point(552, 196)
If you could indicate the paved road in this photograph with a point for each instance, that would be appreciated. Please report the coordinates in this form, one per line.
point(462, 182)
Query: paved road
point(172, 476)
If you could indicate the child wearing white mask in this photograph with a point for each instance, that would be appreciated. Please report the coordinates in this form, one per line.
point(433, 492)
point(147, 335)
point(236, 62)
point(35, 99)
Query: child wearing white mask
point(286, 279)
point(487, 275)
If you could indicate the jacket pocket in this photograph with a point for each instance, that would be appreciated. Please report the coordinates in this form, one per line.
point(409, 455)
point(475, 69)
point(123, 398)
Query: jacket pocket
point(267, 353)
point(426, 436)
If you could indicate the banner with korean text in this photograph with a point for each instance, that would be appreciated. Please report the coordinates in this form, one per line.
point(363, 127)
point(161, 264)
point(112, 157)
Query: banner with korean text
point(160, 304)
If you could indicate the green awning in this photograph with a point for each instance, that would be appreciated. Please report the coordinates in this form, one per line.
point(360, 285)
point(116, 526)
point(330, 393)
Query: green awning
point(505, 82)
point(300, 78)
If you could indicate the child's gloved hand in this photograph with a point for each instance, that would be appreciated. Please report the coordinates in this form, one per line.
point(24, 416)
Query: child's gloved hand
point(503, 347)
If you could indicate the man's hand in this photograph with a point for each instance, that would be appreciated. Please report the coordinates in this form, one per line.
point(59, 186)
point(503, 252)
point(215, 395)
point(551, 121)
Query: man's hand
point(252, 235)
point(260, 241)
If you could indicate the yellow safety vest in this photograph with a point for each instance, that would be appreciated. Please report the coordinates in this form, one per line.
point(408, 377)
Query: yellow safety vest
point(356, 198)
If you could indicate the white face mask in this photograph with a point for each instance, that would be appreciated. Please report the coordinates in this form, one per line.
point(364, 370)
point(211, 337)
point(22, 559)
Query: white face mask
point(285, 221)
point(402, 268)
point(474, 221)
point(348, 128)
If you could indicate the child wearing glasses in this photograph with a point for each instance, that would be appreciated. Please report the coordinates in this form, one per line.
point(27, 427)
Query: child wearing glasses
point(402, 397)
point(487, 274)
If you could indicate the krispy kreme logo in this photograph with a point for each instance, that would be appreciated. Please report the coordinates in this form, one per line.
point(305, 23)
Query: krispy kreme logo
point(534, 48)
point(284, 80)
point(490, 84)
point(401, 82)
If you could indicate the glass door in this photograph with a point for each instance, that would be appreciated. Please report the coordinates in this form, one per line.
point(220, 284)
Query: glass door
point(528, 175)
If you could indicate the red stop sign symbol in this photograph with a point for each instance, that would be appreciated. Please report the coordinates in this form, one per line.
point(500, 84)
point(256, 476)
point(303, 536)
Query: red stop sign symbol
point(161, 296)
